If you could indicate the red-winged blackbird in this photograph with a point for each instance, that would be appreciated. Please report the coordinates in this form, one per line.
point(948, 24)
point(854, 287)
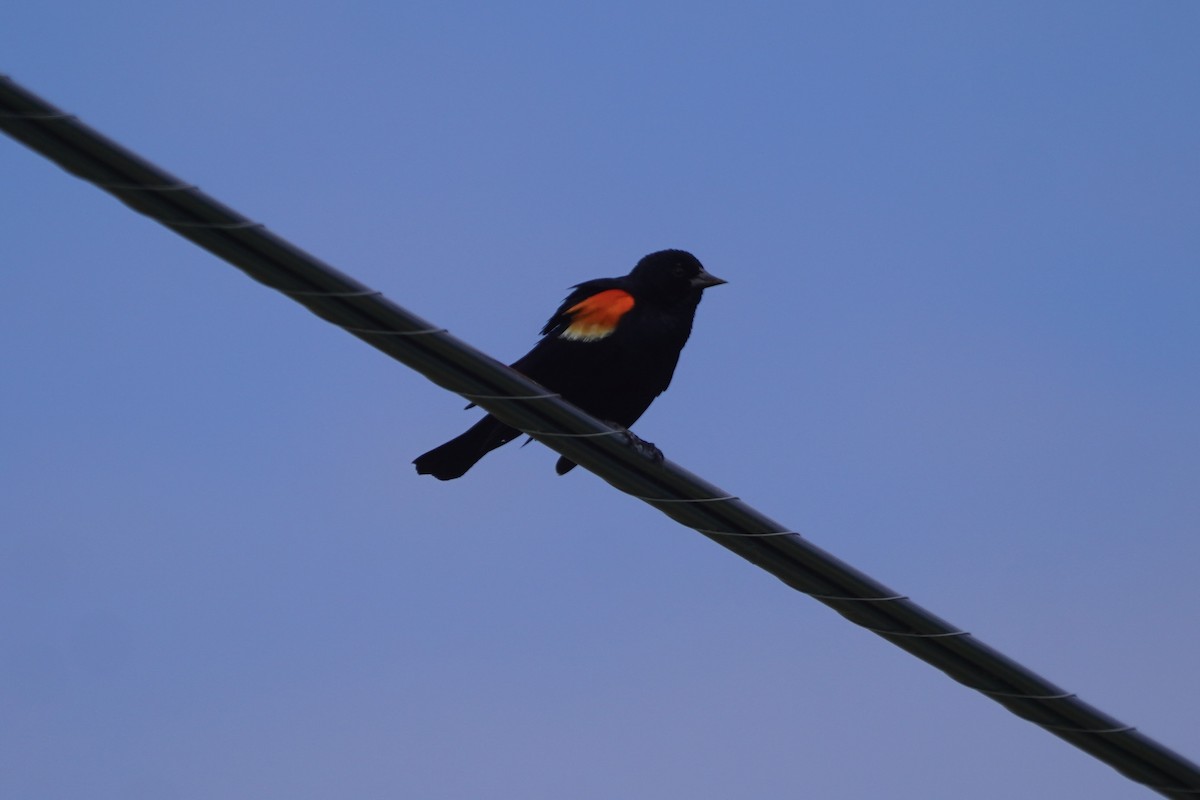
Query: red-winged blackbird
point(610, 349)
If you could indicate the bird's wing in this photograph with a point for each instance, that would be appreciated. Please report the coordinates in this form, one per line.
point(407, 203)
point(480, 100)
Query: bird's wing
point(591, 311)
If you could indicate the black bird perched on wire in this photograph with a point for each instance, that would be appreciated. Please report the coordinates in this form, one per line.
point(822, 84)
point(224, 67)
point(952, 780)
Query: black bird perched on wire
point(610, 349)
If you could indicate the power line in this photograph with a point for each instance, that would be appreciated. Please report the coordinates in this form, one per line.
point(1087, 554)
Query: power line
point(689, 500)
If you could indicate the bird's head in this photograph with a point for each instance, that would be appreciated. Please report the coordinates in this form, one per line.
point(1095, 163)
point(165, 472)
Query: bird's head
point(672, 276)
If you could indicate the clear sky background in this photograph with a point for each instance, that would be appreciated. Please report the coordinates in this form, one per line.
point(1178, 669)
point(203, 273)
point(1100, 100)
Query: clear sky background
point(958, 349)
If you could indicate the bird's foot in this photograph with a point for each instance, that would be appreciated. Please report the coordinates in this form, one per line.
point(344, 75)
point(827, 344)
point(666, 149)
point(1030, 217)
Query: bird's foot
point(647, 450)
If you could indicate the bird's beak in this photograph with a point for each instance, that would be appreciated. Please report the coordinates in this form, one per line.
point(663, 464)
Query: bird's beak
point(705, 279)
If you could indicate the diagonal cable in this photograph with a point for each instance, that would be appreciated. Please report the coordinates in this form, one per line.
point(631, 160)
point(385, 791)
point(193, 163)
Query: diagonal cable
point(686, 498)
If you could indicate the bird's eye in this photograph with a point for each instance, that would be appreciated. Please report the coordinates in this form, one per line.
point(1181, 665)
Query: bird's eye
point(679, 271)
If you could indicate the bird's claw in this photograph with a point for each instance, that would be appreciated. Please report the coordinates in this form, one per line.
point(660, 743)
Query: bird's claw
point(647, 450)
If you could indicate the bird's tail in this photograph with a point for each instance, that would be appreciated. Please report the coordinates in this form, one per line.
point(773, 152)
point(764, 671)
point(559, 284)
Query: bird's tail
point(452, 459)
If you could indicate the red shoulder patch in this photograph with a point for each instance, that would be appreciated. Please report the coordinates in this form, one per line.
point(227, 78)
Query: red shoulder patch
point(597, 316)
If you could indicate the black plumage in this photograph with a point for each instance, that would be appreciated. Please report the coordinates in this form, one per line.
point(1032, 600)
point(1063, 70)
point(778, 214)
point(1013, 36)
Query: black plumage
point(610, 348)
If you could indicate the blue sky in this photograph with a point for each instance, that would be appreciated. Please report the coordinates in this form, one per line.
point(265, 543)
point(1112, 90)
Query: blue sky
point(958, 349)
